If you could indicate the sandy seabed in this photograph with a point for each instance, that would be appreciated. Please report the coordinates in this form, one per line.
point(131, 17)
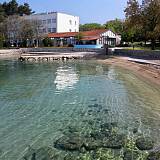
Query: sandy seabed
point(149, 73)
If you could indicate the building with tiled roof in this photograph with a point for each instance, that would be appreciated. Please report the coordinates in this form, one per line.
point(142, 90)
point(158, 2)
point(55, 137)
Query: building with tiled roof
point(94, 37)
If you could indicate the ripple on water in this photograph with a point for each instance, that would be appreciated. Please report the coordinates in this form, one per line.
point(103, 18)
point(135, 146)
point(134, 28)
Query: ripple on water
point(40, 103)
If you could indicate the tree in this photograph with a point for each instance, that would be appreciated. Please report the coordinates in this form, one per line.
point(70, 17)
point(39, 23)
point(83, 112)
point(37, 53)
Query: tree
point(79, 37)
point(24, 9)
point(2, 13)
point(11, 8)
point(47, 42)
point(144, 20)
point(151, 21)
point(91, 26)
point(1, 40)
point(115, 25)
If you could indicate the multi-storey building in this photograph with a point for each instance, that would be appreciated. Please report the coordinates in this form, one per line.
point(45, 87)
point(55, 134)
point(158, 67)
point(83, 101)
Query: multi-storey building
point(55, 22)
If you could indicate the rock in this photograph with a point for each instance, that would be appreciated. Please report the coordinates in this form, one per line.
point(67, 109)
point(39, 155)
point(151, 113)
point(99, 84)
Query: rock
point(98, 135)
point(70, 157)
point(154, 156)
point(109, 126)
point(69, 143)
point(135, 130)
point(144, 143)
point(91, 144)
point(131, 155)
point(95, 106)
point(44, 153)
point(73, 129)
point(114, 141)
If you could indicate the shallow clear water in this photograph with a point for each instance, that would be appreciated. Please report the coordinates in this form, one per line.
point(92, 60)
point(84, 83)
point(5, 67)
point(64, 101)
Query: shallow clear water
point(39, 102)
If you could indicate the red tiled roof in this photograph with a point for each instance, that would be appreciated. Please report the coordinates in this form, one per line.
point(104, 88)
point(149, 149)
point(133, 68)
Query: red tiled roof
point(90, 38)
point(87, 35)
point(62, 35)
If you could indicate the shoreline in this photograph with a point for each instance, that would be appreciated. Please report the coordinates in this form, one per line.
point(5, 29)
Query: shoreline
point(143, 71)
point(147, 73)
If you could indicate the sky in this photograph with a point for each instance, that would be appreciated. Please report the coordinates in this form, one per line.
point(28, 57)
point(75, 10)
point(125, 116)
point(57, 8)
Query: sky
point(89, 11)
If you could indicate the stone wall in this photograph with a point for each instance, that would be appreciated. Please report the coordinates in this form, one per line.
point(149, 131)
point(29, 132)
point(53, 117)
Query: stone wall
point(145, 54)
point(62, 50)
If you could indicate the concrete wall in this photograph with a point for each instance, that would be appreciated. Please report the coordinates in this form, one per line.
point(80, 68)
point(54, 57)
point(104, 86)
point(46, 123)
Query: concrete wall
point(145, 54)
point(67, 23)
point(56, 22)
point(61, 50)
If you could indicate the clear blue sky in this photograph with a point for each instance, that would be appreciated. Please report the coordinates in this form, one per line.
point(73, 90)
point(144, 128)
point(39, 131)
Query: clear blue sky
point(98, 11)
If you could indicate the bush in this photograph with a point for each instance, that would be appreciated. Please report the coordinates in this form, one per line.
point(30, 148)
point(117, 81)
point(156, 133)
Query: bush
point(70, 45)
point(1, 41)
point(47, 42)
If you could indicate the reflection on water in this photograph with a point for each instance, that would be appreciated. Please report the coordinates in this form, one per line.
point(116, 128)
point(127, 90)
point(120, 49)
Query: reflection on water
point(65, 77)
point(40, 103)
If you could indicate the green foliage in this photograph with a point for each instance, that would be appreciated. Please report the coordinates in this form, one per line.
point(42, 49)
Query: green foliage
point(115, 25)
point(13, 8)
point(90, 26)
point(79, 37)
point(107, 154)
point(143, 21)
point(47, 42)
point(1, 40)
point(132, 151)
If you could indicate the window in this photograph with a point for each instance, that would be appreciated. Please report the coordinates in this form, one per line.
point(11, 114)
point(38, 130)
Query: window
point(48, 21)
point(53, 30)
point(70, 30)
point(75, 22)
point(44, 30)
point(70, 22)
point(49, 30)
point(54, 21)
point(44, 21)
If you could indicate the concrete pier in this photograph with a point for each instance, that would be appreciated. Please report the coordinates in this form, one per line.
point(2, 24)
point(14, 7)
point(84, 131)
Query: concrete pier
point(41, 58)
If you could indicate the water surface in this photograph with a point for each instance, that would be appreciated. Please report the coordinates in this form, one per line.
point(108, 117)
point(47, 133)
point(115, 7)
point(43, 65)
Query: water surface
point(40, 101)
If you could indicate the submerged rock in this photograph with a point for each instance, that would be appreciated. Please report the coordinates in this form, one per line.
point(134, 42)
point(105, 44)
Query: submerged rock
point(114, 141)
point(154, 154)
point(70, 157)
point(95, 106)
point(44, 153)
point(69, 143)
point(91, 144)
point(98, 135)
point(131, 155)
point(144, 143)
point(109, 126)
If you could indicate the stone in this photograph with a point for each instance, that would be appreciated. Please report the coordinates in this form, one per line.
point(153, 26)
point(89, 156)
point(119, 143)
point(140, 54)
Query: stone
point(98, 135)
point(135, 130)
point(154, 154)
point(44, 153)
point(144, 143)
point(70, 157)
point(131, 155)
point(91, 144)
point(95, 106)
point(114, 141)
point(70, 143)
point(109, 126)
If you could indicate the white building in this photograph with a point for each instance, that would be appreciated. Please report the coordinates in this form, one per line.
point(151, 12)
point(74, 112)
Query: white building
point(55, 22)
